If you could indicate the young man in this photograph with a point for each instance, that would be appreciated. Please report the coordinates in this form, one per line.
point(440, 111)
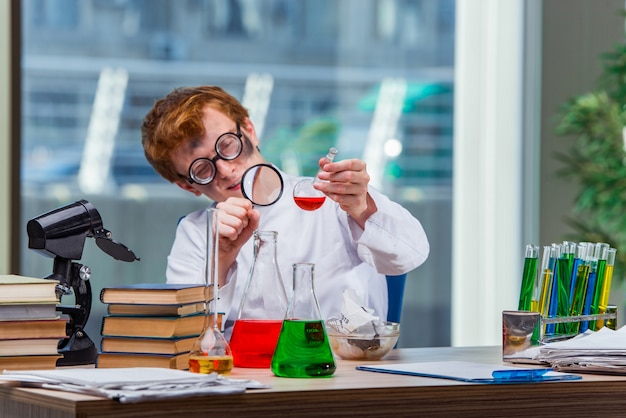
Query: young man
point(202, 140)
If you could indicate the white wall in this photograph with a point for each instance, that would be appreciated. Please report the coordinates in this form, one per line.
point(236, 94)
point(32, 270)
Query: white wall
point(487, 185)
point(5, 135)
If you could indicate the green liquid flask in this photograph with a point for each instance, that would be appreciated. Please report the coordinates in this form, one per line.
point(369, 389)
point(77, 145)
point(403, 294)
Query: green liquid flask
point(303, 349)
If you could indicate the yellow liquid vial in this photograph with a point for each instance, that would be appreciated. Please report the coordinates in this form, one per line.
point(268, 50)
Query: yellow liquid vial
point(210, 364)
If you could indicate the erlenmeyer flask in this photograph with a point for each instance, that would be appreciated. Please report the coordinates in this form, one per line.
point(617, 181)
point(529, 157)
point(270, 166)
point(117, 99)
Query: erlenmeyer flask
point(262, 309)
point(305, 195)
point(211, 352)
point(303, 349)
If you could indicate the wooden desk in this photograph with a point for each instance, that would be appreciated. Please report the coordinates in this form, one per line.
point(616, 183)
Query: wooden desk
point(352, 393)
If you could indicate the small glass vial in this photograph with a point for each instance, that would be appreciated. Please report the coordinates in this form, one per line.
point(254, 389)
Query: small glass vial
point(305, 195)
point(211, 352)
point(303, 349)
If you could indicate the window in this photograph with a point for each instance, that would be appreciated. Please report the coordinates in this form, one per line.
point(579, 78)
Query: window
point(324, 65)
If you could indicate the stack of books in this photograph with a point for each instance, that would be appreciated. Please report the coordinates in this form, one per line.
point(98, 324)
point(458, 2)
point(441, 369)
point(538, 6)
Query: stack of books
point(152, 324)
point(30, 327)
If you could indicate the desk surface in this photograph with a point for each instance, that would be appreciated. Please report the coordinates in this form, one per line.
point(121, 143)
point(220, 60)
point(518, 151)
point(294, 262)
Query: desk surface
point(352, 393)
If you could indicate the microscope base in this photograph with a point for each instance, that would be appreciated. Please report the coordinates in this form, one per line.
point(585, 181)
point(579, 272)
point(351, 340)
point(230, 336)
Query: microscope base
point(78, 350)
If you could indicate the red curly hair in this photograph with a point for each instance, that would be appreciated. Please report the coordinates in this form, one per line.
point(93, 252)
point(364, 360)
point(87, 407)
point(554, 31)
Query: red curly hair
point(177, 118)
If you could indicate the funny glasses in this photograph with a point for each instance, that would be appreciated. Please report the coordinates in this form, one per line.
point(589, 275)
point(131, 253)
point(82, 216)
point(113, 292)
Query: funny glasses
point(227, 147)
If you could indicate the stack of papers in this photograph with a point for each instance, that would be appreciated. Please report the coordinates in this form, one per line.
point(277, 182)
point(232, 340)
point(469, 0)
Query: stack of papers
point(602, 351)
point(129, 385)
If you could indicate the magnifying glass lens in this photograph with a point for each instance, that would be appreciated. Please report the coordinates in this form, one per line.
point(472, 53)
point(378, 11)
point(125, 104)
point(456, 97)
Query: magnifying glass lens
point(262, 184)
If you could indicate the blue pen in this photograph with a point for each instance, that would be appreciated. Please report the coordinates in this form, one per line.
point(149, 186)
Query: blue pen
point(520, 374)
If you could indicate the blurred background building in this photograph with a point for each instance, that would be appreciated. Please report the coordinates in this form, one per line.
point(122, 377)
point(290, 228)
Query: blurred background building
point(371, 77)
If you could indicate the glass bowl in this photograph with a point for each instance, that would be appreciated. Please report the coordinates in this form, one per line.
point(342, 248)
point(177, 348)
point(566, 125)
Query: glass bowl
point(363, 343)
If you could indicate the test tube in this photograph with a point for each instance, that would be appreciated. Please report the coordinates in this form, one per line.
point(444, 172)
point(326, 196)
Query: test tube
point(591, 285)
point(569, 248)
point(578, 257)
point(562, 283)
point(606, 284)
point(529, 276)
point(601, 254)
point(546, 282)
point(580, 290)
point(555, 254)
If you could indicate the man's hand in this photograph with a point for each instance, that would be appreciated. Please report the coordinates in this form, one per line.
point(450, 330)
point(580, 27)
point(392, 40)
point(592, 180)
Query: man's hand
point(237, 222)
point(347, 185)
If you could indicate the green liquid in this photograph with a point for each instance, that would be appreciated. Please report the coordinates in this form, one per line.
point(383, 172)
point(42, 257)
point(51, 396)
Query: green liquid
point(528, 284)
point(580, 290)
point(564, 277)
point(303, 350)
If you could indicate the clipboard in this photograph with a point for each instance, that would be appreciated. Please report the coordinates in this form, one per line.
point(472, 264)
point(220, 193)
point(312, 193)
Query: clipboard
point(471, 372)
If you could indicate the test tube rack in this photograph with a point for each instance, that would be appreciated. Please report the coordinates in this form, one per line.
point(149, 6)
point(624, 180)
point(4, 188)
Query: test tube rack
point(524, 330)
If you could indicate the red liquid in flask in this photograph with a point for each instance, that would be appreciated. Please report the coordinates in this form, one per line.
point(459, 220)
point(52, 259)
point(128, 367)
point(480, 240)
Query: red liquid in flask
point(309, 203)
point(253, 342)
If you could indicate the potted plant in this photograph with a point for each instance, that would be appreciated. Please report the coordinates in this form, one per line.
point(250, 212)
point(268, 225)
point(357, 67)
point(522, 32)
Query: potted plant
point(596, 159)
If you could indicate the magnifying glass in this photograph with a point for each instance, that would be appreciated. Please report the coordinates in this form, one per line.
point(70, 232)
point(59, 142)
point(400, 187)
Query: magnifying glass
point(262, 184)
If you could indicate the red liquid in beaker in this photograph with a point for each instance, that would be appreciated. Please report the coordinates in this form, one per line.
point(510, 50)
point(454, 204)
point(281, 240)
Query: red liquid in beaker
point(253, 342)
point(309, 203)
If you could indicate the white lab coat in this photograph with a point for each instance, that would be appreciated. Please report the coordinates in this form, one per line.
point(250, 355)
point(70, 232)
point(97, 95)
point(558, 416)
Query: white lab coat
point(345, 256)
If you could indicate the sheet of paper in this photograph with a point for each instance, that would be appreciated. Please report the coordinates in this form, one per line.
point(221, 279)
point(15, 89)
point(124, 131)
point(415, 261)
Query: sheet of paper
point(460, 370)
point(111, 377)
point(131, 384)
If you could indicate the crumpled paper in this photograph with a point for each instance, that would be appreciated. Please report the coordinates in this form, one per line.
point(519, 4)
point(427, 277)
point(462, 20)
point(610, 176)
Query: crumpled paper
point(131, 385)
point(354, 315)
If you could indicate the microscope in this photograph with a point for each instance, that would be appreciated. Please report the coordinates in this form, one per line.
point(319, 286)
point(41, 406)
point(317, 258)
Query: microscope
point(61, 234)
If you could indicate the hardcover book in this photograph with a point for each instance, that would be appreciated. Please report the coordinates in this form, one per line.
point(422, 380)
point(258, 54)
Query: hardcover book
point(15, 311)
point(157, 293)
point(16, 288)
point(108, 360)
point(153, 326)
point(36, 328)
point(147, 345)
point(29, 362)
point(154, 310)
point(29, 346)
